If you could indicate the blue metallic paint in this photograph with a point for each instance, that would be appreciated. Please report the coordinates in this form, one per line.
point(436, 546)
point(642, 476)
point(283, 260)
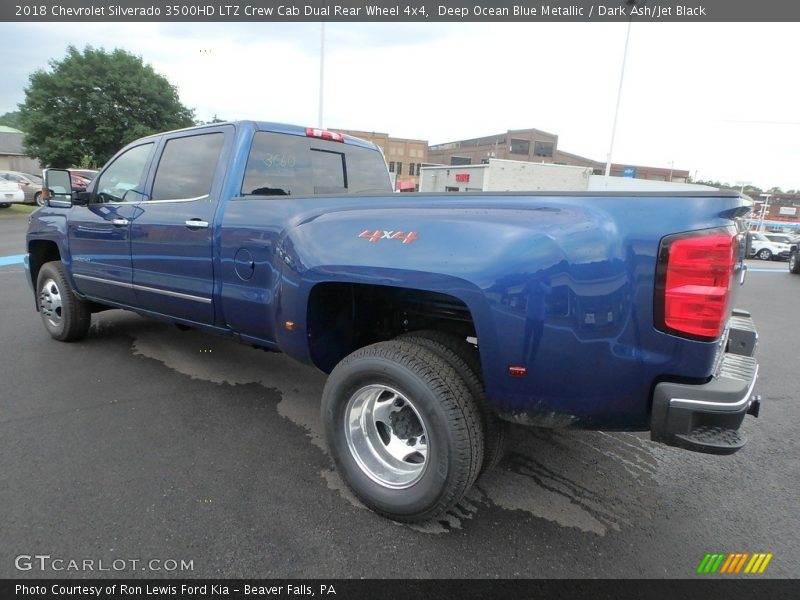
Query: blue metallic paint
point(561, 284)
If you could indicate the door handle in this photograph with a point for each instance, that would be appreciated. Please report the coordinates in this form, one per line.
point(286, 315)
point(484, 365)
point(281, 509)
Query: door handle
point(196, 224)
point(120, 222)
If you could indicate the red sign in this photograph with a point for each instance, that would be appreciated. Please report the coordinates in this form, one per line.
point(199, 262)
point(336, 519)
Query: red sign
point(462, 177)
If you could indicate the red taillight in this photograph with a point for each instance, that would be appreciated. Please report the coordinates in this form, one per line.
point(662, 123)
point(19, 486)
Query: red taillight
point(693, 284)
point(324, 134)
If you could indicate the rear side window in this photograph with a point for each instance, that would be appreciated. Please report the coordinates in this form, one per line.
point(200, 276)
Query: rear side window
point(290, 165)
point(187, 166)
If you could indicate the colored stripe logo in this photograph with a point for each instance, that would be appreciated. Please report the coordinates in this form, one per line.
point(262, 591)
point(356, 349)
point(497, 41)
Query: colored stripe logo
point(734, 563)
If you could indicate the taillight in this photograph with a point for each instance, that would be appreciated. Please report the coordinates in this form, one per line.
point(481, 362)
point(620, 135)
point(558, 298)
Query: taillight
point(324, 134)
point(693, 283)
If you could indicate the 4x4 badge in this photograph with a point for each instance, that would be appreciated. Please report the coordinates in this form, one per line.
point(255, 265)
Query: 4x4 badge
point(379, 234)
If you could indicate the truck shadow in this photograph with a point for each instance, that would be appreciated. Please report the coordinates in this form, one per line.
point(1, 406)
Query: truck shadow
point(593, 482)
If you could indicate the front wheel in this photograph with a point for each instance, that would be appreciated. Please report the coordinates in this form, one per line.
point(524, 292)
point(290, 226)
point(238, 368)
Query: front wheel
point(38, 199)
point(764, 254)
point(65, 316)
point(4, 205)
point(403, 429)
point(794, 263)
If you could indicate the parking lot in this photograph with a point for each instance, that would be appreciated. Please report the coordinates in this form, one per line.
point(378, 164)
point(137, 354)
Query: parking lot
point(145, 443)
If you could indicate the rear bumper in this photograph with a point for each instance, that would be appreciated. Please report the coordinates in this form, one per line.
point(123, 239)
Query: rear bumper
point(707, 417)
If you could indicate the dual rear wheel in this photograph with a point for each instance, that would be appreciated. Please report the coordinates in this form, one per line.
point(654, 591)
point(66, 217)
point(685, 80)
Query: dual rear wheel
point(407, 424)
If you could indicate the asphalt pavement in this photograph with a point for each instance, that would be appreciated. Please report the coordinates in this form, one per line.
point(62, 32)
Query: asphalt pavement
point(144, 447)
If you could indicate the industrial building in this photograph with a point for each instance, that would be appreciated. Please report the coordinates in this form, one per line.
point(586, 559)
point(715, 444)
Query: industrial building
point(535, 145)
point(498, 175)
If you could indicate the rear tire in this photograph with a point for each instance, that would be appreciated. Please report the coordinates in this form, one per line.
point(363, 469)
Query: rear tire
point(403, 429)
point(794, 262)
point(464, 358)
point(38, 200)
point(65, 316)
point(4, 205)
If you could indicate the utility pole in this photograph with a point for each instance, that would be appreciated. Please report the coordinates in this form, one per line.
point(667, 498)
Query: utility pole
point(321, 69)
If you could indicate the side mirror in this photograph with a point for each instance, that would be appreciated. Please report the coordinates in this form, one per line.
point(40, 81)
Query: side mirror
point(57, 188)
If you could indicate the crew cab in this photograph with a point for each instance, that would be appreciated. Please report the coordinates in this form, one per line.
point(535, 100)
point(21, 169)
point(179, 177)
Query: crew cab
point(439, 317)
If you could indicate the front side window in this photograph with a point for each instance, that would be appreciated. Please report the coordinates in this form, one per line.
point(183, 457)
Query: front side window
point(120, 181)
point(187, 166)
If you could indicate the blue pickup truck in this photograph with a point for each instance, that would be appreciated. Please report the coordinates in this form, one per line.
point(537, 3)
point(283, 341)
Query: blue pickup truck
point(439, 317)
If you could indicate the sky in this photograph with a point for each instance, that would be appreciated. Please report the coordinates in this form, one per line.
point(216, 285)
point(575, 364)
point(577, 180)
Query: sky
point(720, 100)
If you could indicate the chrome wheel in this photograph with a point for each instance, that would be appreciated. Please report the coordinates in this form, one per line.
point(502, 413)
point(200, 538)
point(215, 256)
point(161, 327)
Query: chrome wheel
point(386, 436)
point(50, 303)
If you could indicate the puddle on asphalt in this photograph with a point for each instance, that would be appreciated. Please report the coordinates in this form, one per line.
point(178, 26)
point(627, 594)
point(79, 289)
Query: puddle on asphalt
point(590, 481)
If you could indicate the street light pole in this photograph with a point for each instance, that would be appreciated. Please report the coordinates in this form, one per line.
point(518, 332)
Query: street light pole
point(764, 209)
point(321, 69)
point(630, 4)
point(619, 97)
point(742, 184)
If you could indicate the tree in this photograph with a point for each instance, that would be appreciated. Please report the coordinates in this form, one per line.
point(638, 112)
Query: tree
point(10, 119)
point(94, 102)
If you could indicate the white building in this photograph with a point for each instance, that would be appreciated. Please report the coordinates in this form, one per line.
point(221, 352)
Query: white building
point(499, 175)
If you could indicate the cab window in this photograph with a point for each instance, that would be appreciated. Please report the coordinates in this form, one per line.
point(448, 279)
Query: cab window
point(187, 166)
point(120, 181)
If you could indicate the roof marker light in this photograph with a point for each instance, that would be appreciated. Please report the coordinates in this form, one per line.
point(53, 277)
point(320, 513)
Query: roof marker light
point(324, 134)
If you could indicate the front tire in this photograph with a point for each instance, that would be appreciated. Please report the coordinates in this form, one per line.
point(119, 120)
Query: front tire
point(794, 262)
point(764, 254)
point(65, 316)
point(403, 429)
point(38, 200)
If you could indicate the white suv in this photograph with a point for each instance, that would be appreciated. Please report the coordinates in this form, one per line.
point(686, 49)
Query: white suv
point(766, 249)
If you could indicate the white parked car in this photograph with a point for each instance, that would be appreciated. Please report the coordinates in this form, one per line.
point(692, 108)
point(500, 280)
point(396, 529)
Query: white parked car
point(10, 193)
point(767, 249)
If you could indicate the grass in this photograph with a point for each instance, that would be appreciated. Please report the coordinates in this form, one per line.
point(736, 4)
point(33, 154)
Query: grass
point(17, 210)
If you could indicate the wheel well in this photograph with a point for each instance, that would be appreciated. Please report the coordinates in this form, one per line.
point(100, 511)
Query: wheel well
point(40, 252)
point(343, 317)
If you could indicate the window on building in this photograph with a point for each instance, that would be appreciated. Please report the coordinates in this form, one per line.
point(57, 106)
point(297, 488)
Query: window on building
point(411, 169)
point(543, 148)
point(399, 168)
point(460, 160)
point(391, 166)
point(520, 146)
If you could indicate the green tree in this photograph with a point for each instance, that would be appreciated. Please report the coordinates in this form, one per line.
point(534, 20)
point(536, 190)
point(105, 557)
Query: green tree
point(92, 103)
point(10, 119)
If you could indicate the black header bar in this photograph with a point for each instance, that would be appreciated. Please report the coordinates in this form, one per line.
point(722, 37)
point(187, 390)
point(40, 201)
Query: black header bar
point(416, 11)
point(745, 588)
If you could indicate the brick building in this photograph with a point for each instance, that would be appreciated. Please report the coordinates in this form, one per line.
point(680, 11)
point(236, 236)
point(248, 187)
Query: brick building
point(535, 145)
point(403, 156)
